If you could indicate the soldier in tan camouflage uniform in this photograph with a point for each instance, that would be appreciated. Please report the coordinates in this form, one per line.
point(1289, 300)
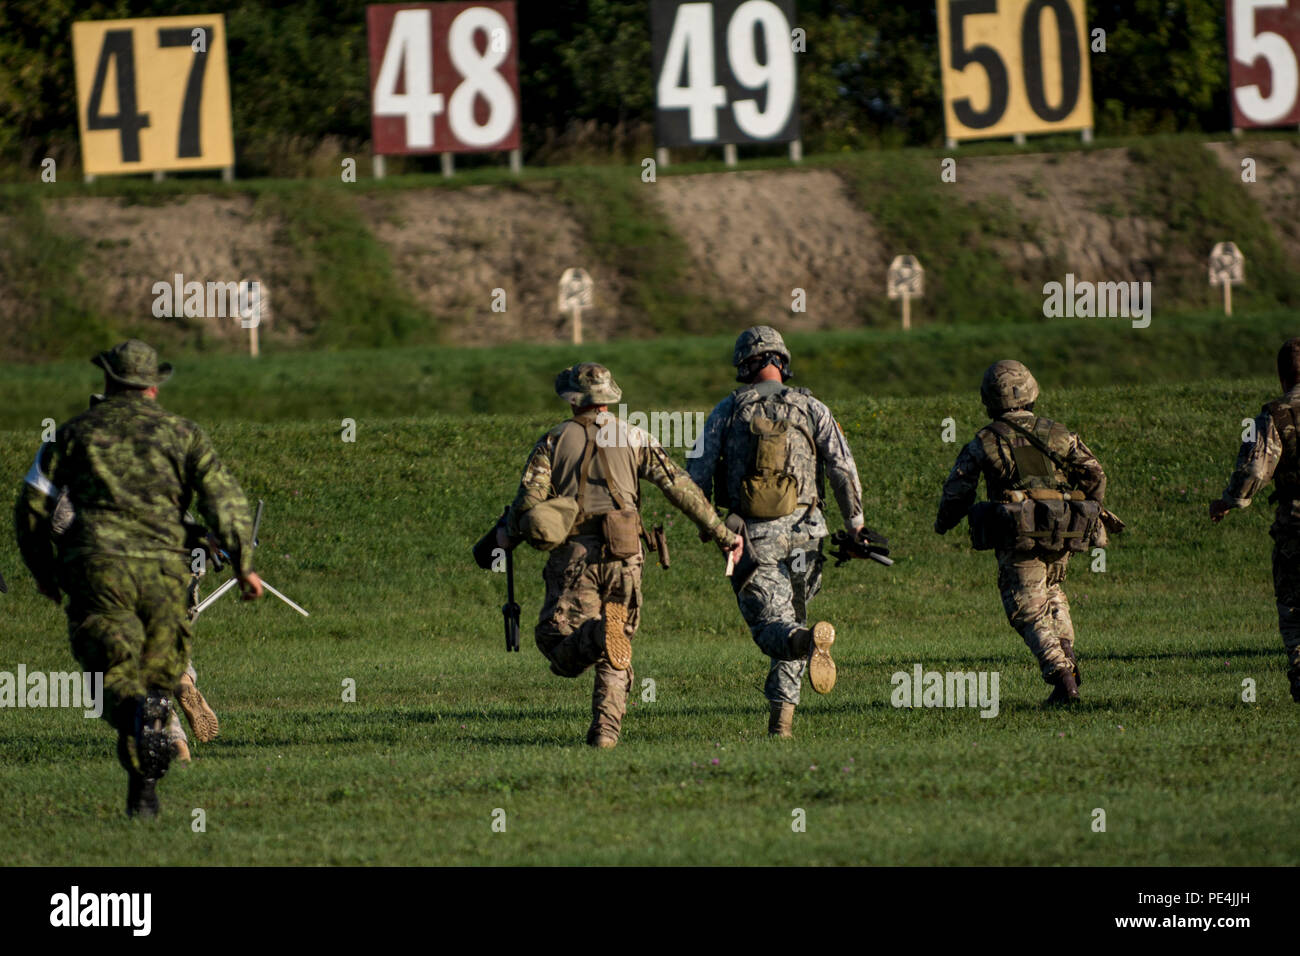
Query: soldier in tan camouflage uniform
point(1030, 580)
point(1274, 455)
point(798, 437)
point(593, 584)
point(131, 470)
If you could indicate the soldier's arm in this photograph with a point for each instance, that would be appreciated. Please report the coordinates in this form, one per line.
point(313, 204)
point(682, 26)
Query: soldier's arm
point(1085, 471)
point(837, 459)
point(960, 488)
point(702, 458)
point(1256, 462)
point(535, 485)
point(655, 466)
point(220, 502)
point(37, 498)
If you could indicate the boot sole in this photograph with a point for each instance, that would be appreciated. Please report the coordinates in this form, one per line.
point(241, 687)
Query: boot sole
point(154, 748)
point(201, 717)
point(821, 669)
point(618, 649)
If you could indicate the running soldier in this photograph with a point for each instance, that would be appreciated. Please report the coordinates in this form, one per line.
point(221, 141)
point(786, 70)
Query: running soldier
point(763, 453)
point(131, 470)
point(580, 499)
point(1045, 493)
point(1273, 454)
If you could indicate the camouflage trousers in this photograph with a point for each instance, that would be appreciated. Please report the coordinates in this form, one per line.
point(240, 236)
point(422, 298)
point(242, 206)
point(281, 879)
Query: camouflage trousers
point(1286, 588)
point(571, 627)
point(1036, 605)
point(774, 598)
point(127, 619)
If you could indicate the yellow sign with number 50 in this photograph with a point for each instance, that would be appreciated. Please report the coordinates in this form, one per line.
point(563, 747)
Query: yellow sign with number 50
point(1014, 66)
point(153, 94)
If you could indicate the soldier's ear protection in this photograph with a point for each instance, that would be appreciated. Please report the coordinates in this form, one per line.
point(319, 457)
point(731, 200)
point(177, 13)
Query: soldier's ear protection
point(750, 368)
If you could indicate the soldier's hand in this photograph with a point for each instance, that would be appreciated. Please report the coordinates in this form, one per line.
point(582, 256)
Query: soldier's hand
point(251, 586)
point(1218, 509)
point(737, 550)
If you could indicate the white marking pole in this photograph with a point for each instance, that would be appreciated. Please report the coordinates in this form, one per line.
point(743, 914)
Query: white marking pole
point(577, 325)
point(285, 599)
point(516, 161)
point(1227, 296)
point(448, 164)
point(907, 310)
point(252, 341)
point(377, 167)
point(228, 174)
point(661, 157)
point(729, 154)
point(796, 151)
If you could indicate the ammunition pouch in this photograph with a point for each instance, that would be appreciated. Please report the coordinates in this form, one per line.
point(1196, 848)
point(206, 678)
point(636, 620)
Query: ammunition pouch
point(546, 524)
point(622, 533)
point(1036, 520)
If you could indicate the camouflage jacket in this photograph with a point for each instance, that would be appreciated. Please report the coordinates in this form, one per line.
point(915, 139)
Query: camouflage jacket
point(816, 447)
point(989, 455)
point(131, 470)
point(1274, 456)
point(633, 454)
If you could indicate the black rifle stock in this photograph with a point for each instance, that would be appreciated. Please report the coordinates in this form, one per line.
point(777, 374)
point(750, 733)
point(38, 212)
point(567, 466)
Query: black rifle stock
point(484, 552)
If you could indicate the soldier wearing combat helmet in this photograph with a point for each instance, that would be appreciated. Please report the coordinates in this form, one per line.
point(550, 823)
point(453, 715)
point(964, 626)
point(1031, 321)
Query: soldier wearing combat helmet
point(1045, 490)
point(131, 470)
point(1273, 454)
point(763, 453)
point(580, 499)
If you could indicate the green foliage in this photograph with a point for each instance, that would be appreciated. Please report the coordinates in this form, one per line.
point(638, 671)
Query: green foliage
point(374, 539)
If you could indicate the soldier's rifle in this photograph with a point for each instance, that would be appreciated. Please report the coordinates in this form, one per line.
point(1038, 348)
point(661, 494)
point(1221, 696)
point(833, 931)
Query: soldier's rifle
point(485, 557)
point(220, 558)
point(866, 544)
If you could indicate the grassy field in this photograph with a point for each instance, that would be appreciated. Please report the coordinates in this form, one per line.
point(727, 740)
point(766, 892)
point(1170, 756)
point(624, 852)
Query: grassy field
point(373, 538)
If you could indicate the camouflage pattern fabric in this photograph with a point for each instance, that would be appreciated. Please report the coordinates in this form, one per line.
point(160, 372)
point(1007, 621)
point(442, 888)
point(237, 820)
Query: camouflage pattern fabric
point(1008, 385)
point(632, 451)
point(827, 449)
point(1037, 607)
point(1274, 456)
point(774, 599)
point(131, 470)
point(1030, 582)
point(758, 340)
point(579, 583)
point(127, 619)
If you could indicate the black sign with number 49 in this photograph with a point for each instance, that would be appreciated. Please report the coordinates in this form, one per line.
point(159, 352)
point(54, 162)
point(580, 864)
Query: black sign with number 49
point(725, 72)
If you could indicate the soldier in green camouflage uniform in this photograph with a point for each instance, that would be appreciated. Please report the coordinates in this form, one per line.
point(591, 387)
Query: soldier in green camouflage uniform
point(1273, 454)
point(593, 597)
point(1030, 581)
point(782, 569)
point(131, 470)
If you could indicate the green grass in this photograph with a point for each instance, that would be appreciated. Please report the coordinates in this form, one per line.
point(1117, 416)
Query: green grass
point(374, 539)
point(365, 384)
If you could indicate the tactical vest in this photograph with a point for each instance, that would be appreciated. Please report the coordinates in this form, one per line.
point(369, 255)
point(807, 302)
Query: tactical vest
point(769, 465)
point(1031, 506)
point(1286, 477)
point(611, 512)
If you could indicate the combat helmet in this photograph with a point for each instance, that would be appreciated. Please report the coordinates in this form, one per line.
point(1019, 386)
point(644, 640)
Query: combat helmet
point(587, 384)
point(757, 341)
point(1007, 385)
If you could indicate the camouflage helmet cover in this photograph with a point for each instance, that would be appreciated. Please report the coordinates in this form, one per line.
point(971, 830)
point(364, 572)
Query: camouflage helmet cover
point(587, 384)
point(1008, 384)
point(758, 340)
point(133, 364)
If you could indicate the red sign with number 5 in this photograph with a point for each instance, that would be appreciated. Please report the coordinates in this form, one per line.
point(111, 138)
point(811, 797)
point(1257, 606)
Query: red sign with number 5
point(1263, 37)
point(444, 77)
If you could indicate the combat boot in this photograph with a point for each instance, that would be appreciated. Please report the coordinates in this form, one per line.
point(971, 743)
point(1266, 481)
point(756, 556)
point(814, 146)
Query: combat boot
point(1068, 647)
point(197, 712)
point(608, 705)
point(141, 797)
point(618, 648)
point(781, 719)
point(1065, 690)
point(821, 669)
point(151, 744)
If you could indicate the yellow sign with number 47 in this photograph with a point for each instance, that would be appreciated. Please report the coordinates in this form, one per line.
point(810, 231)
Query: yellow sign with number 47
point(1014, 66)
point(153, 94)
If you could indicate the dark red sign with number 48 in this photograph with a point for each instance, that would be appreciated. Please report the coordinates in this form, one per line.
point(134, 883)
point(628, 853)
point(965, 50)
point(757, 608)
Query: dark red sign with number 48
point(444, 77)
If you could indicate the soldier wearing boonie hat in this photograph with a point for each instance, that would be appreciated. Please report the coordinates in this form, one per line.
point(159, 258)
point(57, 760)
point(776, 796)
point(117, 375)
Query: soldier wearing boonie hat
point(579, 499)
point(131, 469)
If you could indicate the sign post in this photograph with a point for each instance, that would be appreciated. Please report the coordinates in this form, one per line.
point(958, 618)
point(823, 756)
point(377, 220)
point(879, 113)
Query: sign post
point(1227, 268)
point(250, 313)
point(576, 294)
point(906, 279)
